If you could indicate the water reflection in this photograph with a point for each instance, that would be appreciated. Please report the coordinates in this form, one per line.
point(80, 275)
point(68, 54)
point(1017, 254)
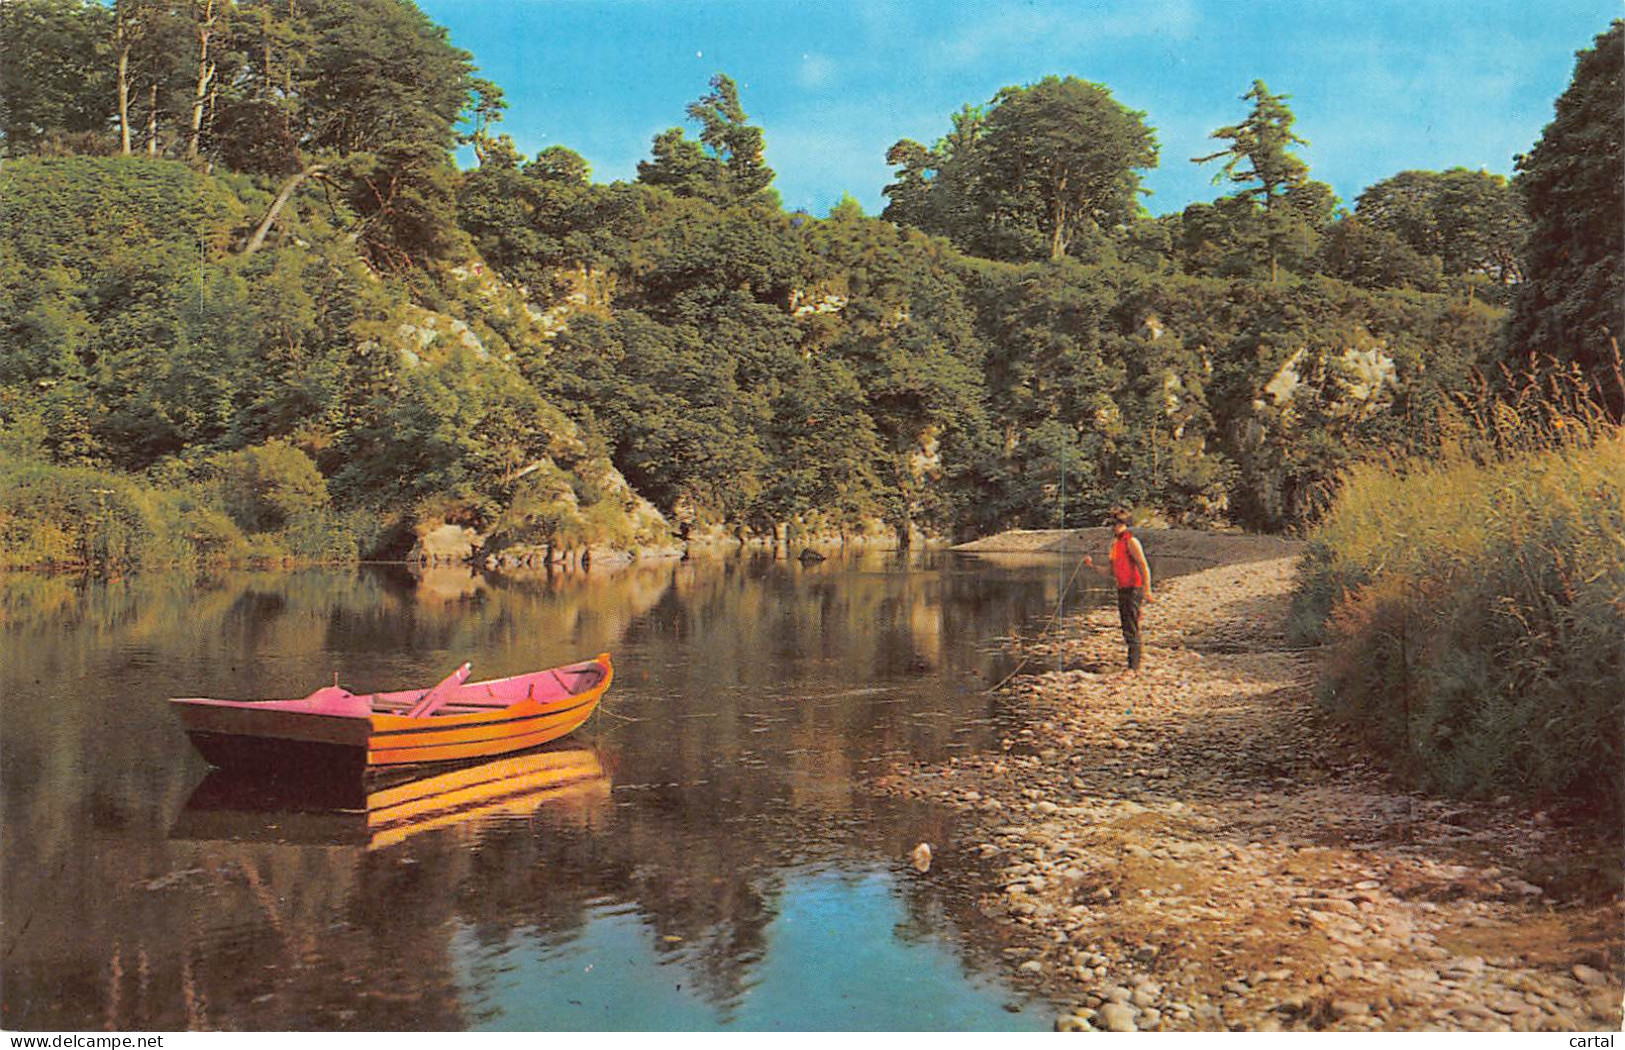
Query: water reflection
point(377, 811)
point(728, 827)
point(844, 950)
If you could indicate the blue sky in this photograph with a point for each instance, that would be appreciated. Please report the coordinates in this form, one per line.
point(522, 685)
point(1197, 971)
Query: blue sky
point(1378, 86)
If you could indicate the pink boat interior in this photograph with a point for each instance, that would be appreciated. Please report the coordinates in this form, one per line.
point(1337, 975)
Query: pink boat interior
point(451, 697)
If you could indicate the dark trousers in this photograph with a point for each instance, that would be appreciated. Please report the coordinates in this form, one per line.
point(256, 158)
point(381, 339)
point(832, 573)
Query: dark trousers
point(1128, 610)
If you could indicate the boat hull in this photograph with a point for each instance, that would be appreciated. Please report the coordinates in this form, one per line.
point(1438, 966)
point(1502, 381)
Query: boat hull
point(392, 742)
point(293, 760)
point(324, 737)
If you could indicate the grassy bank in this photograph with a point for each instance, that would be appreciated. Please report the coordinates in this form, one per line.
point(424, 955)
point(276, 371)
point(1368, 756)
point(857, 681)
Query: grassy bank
point(264, 505)
point(1474, 613)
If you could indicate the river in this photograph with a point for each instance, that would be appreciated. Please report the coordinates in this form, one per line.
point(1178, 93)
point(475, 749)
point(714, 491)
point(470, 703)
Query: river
point(702, 855)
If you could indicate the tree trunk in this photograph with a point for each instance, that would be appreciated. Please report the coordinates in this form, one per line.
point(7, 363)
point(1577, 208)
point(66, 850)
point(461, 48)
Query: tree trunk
point(124, 92)
point(152, 121)
point(205, 77)
point(283, 195)
point(265, 48)
point(1269, 227)
point(1058, 216)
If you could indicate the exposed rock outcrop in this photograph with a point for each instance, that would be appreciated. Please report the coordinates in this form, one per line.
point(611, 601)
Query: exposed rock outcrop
point(439, 544)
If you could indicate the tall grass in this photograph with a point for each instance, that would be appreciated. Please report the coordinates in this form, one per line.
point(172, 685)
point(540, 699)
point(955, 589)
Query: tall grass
point(81, 518)
point(1473, 605)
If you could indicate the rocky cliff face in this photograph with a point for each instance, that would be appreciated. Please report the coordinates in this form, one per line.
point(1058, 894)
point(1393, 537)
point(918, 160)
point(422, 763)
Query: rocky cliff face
point(555, 499)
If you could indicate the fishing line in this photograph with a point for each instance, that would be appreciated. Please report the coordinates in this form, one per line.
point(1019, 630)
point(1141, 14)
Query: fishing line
point(1059, 650)
point(1053, 620)
point(1066, 586)
point(600, 731)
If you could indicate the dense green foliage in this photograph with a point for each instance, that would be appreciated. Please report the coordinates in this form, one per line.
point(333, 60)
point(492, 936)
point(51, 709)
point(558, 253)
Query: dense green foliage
point(267, 503)
point(76, 517)
point(1022, 180)
point(54, 77)
point(1572, 306)
point(1471, 221)
point(144, 344)
point(1472, 608)
point(296, 309)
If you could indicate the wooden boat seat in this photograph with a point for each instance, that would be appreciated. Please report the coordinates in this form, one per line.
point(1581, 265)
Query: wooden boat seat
point(396, 708)
point(465, 705)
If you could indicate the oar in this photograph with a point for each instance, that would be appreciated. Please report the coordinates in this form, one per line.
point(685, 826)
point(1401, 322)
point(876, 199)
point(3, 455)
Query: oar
point(431, 701)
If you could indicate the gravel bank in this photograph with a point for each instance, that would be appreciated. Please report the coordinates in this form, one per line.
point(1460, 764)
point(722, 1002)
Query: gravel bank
point(1191, 545)
point(1195, 848)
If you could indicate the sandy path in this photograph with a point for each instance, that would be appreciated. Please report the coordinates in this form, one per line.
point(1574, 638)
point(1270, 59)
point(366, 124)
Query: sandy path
point(1196, 848)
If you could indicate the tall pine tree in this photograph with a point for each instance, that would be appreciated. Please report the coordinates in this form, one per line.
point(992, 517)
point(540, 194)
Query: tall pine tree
point(1263, 143)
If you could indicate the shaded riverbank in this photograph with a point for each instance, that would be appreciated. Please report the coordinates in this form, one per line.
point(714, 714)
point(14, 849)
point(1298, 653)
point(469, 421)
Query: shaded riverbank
point(1197, 848)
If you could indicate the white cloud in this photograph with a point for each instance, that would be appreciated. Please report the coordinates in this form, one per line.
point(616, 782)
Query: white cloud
point(815, 71)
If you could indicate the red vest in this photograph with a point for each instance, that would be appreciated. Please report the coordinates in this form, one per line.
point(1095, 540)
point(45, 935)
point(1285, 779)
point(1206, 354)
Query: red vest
point(1123, 566)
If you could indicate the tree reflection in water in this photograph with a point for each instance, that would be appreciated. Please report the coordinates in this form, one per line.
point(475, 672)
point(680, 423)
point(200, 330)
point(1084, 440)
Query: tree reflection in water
point(751, 701)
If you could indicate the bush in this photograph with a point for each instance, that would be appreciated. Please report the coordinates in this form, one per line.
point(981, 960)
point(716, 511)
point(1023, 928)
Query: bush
point(269, 486)
point(82, 518)
point(276, 495)
point(1473, 615)
point(76, 517)
point(319, 536)
point(544, 511)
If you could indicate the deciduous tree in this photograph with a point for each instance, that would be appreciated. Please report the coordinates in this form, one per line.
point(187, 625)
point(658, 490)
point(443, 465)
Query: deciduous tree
point(1572, 304)
point(1063, 155)
point(55, 71)
point(1021, 179)
point(1472, 221)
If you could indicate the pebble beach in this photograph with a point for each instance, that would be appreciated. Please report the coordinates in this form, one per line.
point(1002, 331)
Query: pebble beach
point(1198, 847)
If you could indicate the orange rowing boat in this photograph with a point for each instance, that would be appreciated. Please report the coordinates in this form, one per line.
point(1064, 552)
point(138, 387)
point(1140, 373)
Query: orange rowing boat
point(336, 731)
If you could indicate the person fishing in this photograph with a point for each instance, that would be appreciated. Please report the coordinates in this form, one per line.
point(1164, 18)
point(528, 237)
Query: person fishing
point(1133, 575)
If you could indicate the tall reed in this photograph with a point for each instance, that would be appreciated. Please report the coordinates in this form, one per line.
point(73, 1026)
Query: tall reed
point(84, 519)
point(81, 518)
point(1473, 604)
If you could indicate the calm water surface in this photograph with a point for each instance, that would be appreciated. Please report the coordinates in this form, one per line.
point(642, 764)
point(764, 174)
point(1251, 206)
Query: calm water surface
point(702, 855)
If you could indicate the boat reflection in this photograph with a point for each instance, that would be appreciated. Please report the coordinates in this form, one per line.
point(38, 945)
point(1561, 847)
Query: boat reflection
point(756, 702)
point(377, 811)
